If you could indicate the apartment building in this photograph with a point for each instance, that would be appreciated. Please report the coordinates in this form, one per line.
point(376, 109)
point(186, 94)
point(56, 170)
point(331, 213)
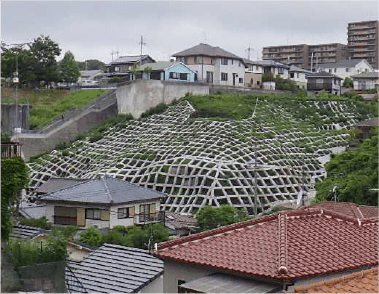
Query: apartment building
point(301, 55)
point(363, 41)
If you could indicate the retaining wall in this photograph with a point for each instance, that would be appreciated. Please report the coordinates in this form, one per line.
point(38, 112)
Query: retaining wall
point(8, 116)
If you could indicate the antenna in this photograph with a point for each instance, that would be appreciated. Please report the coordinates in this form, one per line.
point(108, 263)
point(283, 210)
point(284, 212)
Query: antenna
point(112, 53)
point(117, 53)
point(142, 44)
point(204, 37)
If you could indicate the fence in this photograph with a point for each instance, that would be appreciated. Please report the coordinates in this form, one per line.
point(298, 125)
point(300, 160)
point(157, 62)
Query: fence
point(10, 149)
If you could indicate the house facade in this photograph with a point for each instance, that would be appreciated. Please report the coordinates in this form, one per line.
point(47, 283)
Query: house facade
point(276, 68)
point(275, 252)
point(324, 81)
point(168, 71)
point(121, 66)
point(299, 76)
point(366, 81)
point(346, 68)
point(103, 203)
point(253, 74)
point(214, 65)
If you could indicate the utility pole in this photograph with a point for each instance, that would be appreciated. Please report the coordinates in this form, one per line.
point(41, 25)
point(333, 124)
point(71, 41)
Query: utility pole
point(312, 62)
point(112, 53)
point(117, 53)
point(142, 44)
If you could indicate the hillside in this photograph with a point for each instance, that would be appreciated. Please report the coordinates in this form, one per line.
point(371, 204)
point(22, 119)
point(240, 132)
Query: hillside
point(47, 104)
point(199, 156)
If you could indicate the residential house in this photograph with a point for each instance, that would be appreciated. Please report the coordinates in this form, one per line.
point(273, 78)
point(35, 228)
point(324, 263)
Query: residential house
point(214, 65)
point(365, 281)
point(366, 81)
point(365, 128)
point(121, 66)
point(276, 68)
point(324, 81)
point(346, 68)
point(55, 184)
point(180, 224)
point(299, 76)
point(273, 252)
point(105, 203)
point(116, 269)
point(168, 71)
point(90, 77)
point(20, 231)
point(253, 74)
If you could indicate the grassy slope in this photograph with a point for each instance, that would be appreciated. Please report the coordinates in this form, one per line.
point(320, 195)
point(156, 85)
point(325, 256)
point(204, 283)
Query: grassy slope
point(47, 104)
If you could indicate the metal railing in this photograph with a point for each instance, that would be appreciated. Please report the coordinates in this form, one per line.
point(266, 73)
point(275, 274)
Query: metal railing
point(154, 217)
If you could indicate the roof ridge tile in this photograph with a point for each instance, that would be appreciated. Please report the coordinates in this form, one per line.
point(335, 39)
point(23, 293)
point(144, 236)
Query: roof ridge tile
point(283, 248)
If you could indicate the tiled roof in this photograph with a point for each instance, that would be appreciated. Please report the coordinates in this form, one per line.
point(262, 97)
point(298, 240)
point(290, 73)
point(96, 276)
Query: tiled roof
point(207, 50)
point(323, 74)
point(178, 221)
point(286, 245)
point(104, 191)
point(32, 210)
point(367, 75)
point(341, 63)
point(114, 268)
point(130, 59)
point(365, 281)
point(25, 232)
point(271, 63)
point(298, 69)
point(161, 65)
point(55, 184)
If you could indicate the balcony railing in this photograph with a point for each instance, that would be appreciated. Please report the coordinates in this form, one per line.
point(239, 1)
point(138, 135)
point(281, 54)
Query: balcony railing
point(319, 86)
point(155, 217)
point(10, 149)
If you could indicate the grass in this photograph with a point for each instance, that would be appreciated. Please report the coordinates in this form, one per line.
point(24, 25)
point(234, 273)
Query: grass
point(47, 104)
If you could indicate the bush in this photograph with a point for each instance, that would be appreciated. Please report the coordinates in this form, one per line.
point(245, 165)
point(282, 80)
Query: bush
point(347, 83)
point(96, 136)
point(91, 236)
point(268, 77)
point(36, 222)
point(161, 107)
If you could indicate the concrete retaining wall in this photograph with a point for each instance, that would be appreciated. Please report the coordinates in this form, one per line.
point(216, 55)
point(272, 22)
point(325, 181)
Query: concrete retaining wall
point(8, 116)
point(135, 97)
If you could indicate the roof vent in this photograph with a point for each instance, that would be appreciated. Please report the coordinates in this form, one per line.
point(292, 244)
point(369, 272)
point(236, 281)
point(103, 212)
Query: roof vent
point(283, 270)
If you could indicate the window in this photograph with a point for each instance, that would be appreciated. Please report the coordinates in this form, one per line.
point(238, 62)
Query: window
point(347, 69)
point(93, 213)
point(319, 81)
point(241, 80)
point(298, 75)
point(183, 76)
point(224, 76)
point(123, 212)
point(224, 61)
point(281, 70)
point(335, 70)
point(116, 68)
point(174, 75)
point(197, 59)
point(330, 70)
point(292, 75)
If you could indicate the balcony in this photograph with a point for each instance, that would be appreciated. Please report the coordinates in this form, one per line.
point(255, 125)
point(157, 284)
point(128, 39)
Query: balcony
point(10, 149)
point(313, 86)
point(143, 218)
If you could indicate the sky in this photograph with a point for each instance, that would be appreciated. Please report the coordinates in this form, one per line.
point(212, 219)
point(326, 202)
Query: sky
point(95, 29)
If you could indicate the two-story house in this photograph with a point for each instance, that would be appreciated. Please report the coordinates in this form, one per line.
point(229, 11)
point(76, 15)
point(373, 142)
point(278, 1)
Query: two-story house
point(105, 203)
point(366, 81)
point(276, 68)
point(346, 68)
point(214, 65)
point(121, 66)
point(324, 81)
point(253, 74)
point(299, 76)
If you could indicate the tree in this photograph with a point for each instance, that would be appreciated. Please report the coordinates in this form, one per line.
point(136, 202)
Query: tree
point(268, 77)
point(353, 173)
point(44, 52)
point(91, 236)
point(212, 217)
point(91, 64)
point(14, 178)
point(69, 69)
point(347, 83)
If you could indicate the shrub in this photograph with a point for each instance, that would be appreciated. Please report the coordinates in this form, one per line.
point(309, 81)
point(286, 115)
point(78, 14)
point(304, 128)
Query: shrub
point(96, 136)
point(91, 236)
point(347, 83)
point(268, 77)
point(36, 222)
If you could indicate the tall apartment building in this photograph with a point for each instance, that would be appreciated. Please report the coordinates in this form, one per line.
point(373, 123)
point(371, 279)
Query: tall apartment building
point(301, 55)
point(363, 41)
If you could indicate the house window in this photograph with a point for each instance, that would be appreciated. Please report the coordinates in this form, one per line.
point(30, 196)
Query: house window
point(183, 76)
point(281, 70)
point(224, 76)
point(335, 70)
point(93, 213)
point(330, 70)
point(347, 69)
point(123, 212)
point(197, 59)
point(241, 80)
point(174, 75)
point(116, 68)
point(298, 75)
point(292, 75)
point(319, 81)
point(224, 61)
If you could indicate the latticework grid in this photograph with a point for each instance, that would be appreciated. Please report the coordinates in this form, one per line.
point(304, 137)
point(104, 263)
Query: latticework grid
point(201, 161)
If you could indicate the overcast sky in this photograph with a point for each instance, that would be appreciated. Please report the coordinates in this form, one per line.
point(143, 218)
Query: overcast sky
point(92, 29)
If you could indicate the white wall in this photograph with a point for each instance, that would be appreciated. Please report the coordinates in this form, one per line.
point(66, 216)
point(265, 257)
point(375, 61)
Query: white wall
point(342, 73)
point(370, 84)
point(155, 286)
point(275, 71)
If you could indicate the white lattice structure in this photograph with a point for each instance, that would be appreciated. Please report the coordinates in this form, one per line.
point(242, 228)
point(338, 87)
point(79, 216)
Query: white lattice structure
point(198, 162)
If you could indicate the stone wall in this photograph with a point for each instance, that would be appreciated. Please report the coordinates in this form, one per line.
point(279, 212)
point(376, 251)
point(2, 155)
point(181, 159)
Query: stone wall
point(8, 116)
point(135, 97)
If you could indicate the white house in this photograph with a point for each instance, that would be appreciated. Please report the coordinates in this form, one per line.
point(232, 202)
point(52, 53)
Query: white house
point(105, 203)
point(346, 68)
point(299, 76)
point(366, 81)
point(277, 68)
point(214, 65)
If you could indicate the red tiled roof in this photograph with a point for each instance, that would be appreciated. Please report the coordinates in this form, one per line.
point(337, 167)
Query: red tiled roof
point(360, 282)
point(349, 209)
point(286, 245)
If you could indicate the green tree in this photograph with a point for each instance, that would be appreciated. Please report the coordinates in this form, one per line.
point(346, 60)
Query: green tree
point(44, 52)
point(347, 83)
point(212, 217)
point(354, 173)
point(69, 69)
point(268, 77)
point(91, 64)
point(91, 236)
point(14, 178)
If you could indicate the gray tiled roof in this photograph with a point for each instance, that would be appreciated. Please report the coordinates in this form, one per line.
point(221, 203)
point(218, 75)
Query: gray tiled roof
point(114, 268)
point(32, 210)
point(248, 61)
point(25, 232)
point(271, 63)
point(298, 69)
point(341, 63)
point(130, 59)
point(55, 184)
point(207, 50)
point(103, 191)
point(323, 74)
point(367, 75)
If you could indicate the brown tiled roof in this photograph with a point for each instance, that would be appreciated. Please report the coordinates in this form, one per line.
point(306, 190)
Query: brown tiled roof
point(360, 282)
point(368, 123)
point(286, 245)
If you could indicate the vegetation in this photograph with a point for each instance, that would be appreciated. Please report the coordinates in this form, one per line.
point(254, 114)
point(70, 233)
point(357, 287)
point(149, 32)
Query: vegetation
point(69, 70)
point(91, 64)
point(354, 173)
point(14, 178)
point(36, 222)
point(212, 217)
point(347, 83)
point(29, 252)
point(160, 108)
point(133, 236)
